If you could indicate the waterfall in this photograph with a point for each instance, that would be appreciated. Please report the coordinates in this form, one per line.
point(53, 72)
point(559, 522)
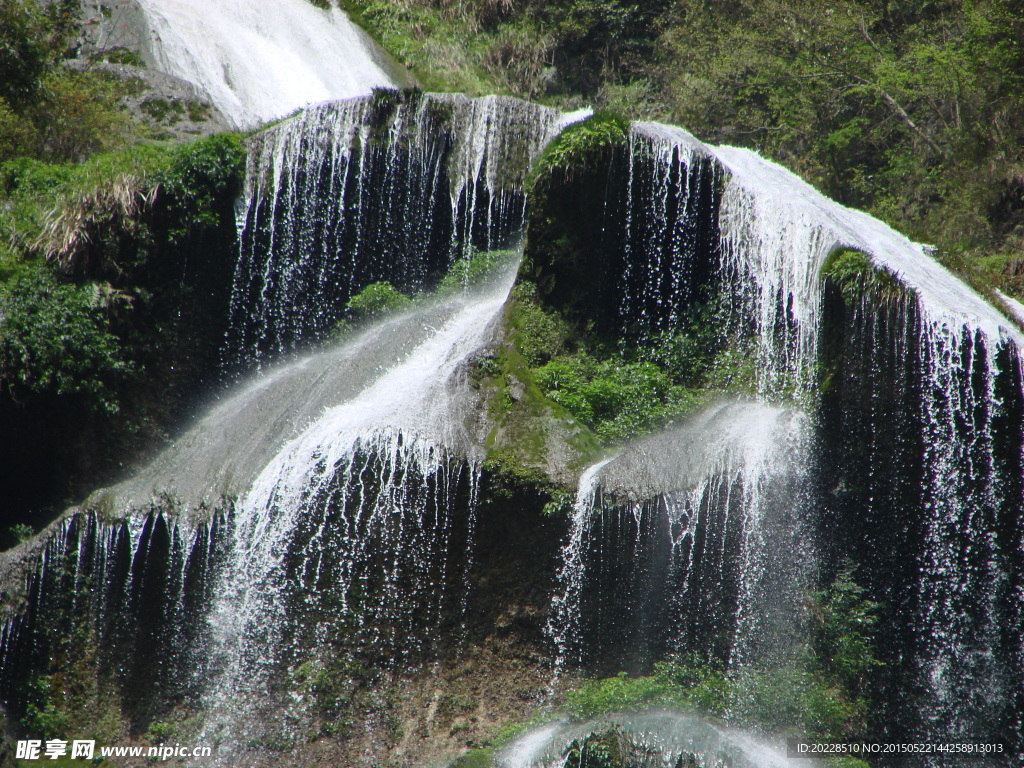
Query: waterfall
point(223, 454)
point(117, 599)
point(690, 538)
point(392, 188)
point(930, 384)
point(259, 60)
point(374, 482)
point(326, 503)
point(654, 739)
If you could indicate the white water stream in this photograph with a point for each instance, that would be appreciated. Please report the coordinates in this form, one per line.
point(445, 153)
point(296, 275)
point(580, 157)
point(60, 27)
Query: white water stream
point(412, 423)
point(745, 462)
point(259, 60)
point(676, 739)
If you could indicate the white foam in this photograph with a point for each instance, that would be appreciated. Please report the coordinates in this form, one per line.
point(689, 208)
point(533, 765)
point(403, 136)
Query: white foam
point(259, 60)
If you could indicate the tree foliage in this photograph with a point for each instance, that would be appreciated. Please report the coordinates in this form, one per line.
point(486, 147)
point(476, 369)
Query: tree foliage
point(48, 110)
point(908, 110)
point(56, 339)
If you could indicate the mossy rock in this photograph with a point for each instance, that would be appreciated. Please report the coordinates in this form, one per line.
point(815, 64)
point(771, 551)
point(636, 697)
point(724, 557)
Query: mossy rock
point(533, 437)
point(857, 277)
point(581, 144)
point(596, 242)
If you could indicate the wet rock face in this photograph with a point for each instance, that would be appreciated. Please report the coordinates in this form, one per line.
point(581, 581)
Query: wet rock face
point(623, 234)
point(111, 24)
point(115, 38)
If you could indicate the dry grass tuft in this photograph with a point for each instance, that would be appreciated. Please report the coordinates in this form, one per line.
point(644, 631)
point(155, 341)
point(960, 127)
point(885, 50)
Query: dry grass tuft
point(74, 225)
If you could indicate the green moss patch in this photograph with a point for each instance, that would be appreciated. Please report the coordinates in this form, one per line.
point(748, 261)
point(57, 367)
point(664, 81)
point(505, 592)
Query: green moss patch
point(624, 392)
point(579, 143)
point(853, 273)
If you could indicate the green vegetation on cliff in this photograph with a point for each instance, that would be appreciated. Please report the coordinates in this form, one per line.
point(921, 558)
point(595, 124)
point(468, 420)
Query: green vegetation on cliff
point(113, 275)
point(47, 109)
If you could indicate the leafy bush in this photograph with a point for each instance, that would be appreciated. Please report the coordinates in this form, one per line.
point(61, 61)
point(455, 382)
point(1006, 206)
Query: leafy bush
point(113, 194)
point(844, 621)
point(375, 300)
point(17, 134)
point(80, 114)
point(55, 339)
point(821, 691)
point(530, 49)
point(201, 173)
point(46, 109)
point(24, 54)
point(43, 717)
point(618, 399)
point(686, 683)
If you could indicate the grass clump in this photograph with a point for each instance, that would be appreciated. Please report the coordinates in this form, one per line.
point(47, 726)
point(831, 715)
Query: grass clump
point(685, 682)
point(75, 213)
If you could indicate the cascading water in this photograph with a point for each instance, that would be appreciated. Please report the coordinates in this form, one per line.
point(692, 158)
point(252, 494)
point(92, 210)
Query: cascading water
point(951, 620)
point(373, 482)
point(331, 500)
point(259, 60)
point(369, 504)
point(120, 596)
point(695, 537)
point(958, 346)
point(389, 188)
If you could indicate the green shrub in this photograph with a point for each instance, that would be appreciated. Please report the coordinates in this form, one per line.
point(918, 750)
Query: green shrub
point(120, 56)
point(687, 683)
point(844, 622)
point(55, 338)
point(43, 717)
point(821, 690)
point(163, 110)
point(80, 114)
point(618, 399)
point(374, 300)
point(24, 54)
point(17, 134)
point(201, 173)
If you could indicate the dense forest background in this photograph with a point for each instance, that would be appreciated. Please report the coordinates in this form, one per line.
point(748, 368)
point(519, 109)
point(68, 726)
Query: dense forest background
point(913, 111)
